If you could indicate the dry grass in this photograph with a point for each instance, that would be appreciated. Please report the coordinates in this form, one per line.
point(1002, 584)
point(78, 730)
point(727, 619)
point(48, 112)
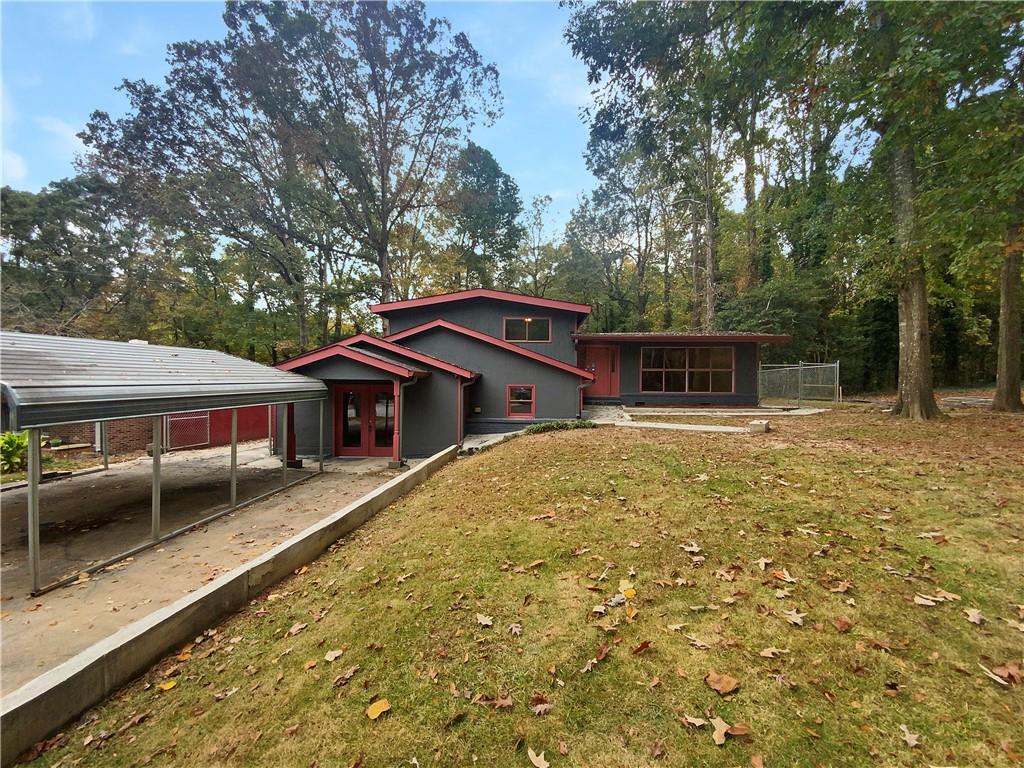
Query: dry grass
point(837, 498)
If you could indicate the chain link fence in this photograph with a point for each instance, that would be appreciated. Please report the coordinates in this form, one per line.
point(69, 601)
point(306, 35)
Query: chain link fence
point(795, 383)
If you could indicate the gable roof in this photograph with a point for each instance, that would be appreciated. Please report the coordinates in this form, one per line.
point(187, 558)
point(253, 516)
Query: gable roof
point(686, 336)
point(502, 344)
point(371, 359)
point(421, 357)
point(481, 293)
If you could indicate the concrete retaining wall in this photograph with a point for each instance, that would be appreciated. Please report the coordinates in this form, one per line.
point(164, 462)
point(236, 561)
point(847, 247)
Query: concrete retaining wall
point(44, 705)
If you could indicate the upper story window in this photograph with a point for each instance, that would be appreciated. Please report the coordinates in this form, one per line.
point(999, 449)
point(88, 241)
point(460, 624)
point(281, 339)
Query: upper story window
point(527, 329)
point(681, 369)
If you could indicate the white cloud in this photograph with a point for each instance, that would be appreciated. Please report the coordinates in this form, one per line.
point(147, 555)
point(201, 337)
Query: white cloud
point(137, 40)
point(77, 20)
point(13, 169)
point(63, 132)
point(548, 62)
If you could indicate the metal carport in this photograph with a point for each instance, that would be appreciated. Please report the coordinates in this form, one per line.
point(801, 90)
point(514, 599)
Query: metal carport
point(50, 380)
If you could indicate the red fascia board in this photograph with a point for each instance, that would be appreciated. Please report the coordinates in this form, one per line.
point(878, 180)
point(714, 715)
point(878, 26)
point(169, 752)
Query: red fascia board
point(509, 347)
point(419, 357)
point(766, 338)
point(338, 350)
point(480, 293)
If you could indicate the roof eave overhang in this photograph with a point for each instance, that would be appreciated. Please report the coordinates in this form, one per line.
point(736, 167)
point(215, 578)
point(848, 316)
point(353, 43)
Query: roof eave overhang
point(687, 339)
point(384, 308)
point(421, 357)
point(339, 350)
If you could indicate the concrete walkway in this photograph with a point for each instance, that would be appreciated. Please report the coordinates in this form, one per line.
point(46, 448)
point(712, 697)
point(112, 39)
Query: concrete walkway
point(96, 513)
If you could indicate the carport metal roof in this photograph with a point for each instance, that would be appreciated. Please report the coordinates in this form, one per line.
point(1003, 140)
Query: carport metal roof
point(49, 380)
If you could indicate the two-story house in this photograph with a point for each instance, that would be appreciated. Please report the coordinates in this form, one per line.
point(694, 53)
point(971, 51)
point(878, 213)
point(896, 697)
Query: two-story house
point(481, 361)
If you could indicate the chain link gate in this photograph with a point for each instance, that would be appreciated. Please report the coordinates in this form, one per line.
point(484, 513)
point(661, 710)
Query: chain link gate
point(799, 382)
point(190, 429)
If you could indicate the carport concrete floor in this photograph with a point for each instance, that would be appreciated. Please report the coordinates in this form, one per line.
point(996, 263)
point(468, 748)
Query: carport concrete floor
point(92, 517)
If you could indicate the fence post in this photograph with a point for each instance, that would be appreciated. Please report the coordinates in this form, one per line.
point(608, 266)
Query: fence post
point(835, 399)
point(800, 385)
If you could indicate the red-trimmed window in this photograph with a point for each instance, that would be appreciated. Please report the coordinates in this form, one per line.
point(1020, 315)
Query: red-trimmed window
point(522, 403)
point(527, 329)
point(687, 369)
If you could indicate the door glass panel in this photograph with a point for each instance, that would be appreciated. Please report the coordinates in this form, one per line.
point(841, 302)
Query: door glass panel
point(384, 426)
point(352, 420)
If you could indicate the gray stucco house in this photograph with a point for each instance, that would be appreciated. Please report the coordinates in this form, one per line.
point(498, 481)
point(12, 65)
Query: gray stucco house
point(481, 361)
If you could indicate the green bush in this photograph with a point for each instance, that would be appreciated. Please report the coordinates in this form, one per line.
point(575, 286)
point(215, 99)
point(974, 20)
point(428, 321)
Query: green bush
point(13, 451)
point(555, 426)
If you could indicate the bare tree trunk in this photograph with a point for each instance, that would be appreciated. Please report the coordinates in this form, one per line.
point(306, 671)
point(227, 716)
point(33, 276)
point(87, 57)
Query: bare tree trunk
point(1007, 397)
point(695, 259)
point(387, 283)
point(915, 399)
point(710, 267)
point(752, 277)
point(301, 319)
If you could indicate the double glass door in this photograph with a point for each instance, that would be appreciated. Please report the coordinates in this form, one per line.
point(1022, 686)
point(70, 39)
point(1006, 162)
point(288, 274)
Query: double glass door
point(364, 419)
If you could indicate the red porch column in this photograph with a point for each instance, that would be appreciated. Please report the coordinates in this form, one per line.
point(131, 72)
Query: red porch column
point(396, 438)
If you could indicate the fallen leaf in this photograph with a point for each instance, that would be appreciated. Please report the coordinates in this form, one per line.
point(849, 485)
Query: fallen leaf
point(657, 749)
point(1009, 672)
point(763, 561)
point(484, 621)
point(783, 575)
point(168, 685)
point(974, 616)
point(309, 664)
point(794, 617)
point(696, 642)
point(842, 586)
point(515, 629)
point(378, 708)
point(912, 739)
point(721, 728)
point(539, 704)
point(842, 625)
point(756, 761)
point(333, 655)
point(739, 730)
point(296, 628)
point(772, 653)
point(720, 683)
point(538, 761)
point(693, 722)
point(924, 600)
point(641, 648)
point(345, 676)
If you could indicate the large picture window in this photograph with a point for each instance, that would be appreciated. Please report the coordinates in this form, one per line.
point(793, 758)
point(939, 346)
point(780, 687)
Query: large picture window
point(686, 369)
point(527, 329)
point(521, 401)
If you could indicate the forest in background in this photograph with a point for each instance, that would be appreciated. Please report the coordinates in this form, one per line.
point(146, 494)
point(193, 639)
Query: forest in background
point(848, 173)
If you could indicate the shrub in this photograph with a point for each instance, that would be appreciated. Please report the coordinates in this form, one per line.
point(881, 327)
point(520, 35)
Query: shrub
point(555, 426)
point(13, 451)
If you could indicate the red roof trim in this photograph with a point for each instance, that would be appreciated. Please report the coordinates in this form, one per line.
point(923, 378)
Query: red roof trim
point(339, 350)
point(494, 341)
point(420, 357)
point(480, 293)
point(606, 338)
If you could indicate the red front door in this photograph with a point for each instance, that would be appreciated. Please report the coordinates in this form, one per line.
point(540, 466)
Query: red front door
point(604, 362)
point(364, 419)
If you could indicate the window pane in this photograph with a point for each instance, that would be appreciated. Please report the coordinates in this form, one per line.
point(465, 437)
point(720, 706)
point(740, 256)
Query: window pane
point(700, 357)
point(721, 381)
point(352, 421)
point(515, 329)
point(675, 381)
point(675, 358)
point(651, 381)
point(700, 381)
point(653, 357)
point(384, 427)
point(520, 407)
point(539, 329)
point(721, 358)
point(521, 393)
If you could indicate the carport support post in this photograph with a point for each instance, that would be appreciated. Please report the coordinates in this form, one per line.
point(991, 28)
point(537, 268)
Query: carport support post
point(320, 453)
point(33, 507)
point(234, 456)
point(284, 445)
point(105, 444)
point(157, 444)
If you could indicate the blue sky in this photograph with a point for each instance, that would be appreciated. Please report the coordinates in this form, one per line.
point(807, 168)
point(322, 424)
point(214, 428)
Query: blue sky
point(63, 60)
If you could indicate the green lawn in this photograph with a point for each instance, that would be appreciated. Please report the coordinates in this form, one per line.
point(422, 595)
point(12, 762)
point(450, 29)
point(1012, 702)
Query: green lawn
point(861, 512)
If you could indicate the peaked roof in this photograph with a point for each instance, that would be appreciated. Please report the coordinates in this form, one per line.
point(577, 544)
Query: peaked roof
point(48, 380)
point(480, 293)
point(725, 336)
point(397, 349)
point(502, 344)
point(371, 359)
